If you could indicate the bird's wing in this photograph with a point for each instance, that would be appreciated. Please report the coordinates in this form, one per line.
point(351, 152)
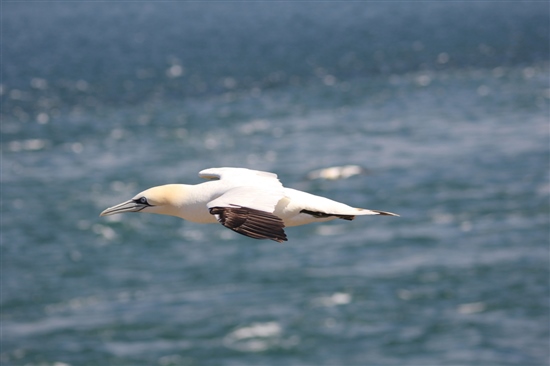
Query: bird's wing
point(248, 210)
point(242, 176)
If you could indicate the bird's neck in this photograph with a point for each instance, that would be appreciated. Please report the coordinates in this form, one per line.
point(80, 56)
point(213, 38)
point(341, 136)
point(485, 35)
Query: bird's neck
point(188, 201)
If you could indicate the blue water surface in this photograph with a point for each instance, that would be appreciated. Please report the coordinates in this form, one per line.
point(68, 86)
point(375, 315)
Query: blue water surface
point(445, 104)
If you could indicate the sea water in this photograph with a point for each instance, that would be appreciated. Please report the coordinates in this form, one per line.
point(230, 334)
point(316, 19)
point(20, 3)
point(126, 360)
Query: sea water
point(445, 106)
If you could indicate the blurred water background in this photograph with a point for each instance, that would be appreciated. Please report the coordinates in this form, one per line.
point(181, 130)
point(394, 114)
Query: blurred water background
point(446, 104)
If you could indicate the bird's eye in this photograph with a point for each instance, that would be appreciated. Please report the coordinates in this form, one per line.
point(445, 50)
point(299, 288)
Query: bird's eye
point(142, 200)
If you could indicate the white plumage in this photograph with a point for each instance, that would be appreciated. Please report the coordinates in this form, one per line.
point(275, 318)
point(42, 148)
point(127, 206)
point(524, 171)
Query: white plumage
point(250, 202)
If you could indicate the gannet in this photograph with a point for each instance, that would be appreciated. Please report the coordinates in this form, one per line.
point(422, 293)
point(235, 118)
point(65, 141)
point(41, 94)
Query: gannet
point(250, 202)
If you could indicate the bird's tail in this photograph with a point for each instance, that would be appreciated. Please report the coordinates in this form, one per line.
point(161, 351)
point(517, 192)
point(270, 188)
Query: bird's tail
point(364, 211)
point(386, 213)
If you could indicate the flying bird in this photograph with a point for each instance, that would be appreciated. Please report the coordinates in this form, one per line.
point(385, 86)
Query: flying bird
point(250, 202)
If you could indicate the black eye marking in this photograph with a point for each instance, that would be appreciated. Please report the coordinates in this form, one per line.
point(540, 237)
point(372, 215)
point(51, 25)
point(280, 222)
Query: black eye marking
point(142, 200)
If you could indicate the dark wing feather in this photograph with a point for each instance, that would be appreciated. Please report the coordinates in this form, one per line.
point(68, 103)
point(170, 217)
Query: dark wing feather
point(250, 222)
point(323, 215)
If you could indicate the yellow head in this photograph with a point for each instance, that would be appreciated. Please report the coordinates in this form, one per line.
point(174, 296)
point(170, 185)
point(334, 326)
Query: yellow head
point(164, 200)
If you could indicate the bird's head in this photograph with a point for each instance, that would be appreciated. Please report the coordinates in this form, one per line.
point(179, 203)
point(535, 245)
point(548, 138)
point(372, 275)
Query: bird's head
point(163, 200)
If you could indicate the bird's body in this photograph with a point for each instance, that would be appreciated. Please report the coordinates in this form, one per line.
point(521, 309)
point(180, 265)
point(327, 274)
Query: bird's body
point(250, 202)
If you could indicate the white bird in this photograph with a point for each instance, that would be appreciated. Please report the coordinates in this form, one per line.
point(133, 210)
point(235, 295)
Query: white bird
point(249, 202)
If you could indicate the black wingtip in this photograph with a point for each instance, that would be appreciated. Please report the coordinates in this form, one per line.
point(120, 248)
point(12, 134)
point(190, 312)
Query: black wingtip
point(319, 215)
point(249, 222)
